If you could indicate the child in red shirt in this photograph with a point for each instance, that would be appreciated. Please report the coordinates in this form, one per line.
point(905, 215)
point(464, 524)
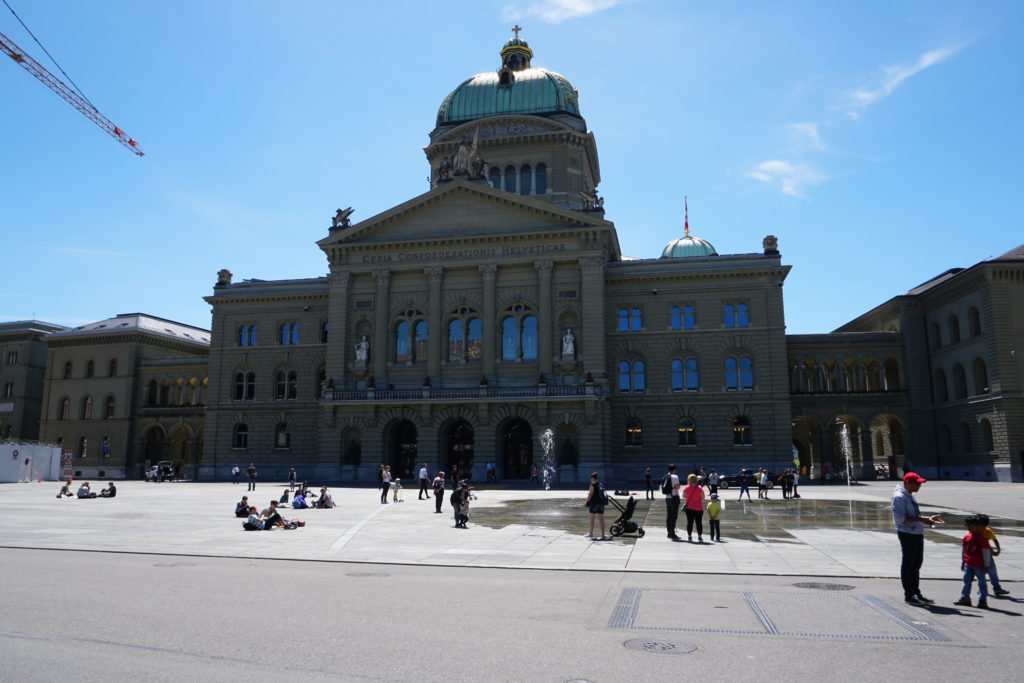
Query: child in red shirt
point(976, 554)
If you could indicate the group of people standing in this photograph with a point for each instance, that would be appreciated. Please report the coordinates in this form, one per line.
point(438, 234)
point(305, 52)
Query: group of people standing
point(459, 499)
point(691, 499)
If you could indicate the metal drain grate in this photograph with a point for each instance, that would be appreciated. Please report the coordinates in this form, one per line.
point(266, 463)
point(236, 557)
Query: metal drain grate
point(174, 564)
point(824, 586)
point(660, 647)
point(360, 575)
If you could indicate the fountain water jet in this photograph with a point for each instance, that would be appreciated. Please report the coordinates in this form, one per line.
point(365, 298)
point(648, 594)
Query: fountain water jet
point(846, 447)
point(547, 444)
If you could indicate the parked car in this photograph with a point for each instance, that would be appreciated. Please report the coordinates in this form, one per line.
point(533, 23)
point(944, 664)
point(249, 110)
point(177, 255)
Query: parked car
point(750, 476)
point(162, 471)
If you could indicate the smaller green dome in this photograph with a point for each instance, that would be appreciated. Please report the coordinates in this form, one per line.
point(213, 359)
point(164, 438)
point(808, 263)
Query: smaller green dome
point(688, 246)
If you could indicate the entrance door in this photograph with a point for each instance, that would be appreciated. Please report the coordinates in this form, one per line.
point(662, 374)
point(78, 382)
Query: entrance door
point(460, 449)
point(517, 449)
point(404, 446)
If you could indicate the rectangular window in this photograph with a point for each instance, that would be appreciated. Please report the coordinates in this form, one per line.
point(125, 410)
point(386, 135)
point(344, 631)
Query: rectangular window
point(9, 390)
point(12, 357)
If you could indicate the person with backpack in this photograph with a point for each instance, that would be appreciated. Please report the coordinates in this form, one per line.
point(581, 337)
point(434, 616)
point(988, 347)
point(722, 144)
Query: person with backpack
point(596, 500)
point(438, 492)
point(670, 487)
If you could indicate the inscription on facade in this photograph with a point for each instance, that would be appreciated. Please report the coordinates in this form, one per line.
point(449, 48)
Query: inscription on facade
point(476, 253)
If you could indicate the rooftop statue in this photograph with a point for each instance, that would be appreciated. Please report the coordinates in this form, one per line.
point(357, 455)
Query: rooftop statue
point(341, 220)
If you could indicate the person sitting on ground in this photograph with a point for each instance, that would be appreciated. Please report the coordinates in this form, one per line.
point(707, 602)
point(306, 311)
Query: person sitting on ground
point(271, 517)
point(299, 501)
point(65, 490)
point(283, 500)
point(85, 492)
point(326, 500)
point(109, 492)
point(242, 509)
point(254, 522)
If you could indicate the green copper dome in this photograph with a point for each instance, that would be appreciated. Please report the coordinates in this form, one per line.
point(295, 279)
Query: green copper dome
point(515, 88)
point(687, 246)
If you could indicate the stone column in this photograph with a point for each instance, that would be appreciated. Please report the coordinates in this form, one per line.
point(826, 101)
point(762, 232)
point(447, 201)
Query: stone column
point(544, 337)
point(867, 457)
point(801, 372)
point(337, 334)
point(592, 310)
point(382, 316)
point(489, 271)
point(436, 335)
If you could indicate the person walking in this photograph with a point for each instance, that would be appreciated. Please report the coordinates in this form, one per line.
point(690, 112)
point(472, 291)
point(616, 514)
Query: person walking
point(380, 476)
point(234, 474)
point(649, 480)
point(693, 494)
point(424, 483)
point(385, 483)
point(438, 492)
point(251, 473)
point(291, 479)
point(670, 487)
point(993, 573)
point(906, 516)
point(596, 500)
point(713, 481)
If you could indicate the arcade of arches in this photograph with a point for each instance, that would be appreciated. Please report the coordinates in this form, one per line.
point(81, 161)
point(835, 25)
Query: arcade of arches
point(847, 443)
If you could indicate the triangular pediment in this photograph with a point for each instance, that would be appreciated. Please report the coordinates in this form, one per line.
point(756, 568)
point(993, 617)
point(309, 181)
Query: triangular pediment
point(461, 209)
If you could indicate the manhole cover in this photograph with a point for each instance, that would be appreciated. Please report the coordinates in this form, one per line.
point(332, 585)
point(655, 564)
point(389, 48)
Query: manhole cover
point(824, 586)
point(359, 575)
point(174, 564)
point(660, 647)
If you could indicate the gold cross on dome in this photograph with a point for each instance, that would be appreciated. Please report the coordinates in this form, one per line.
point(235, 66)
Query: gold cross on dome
point(516, 29)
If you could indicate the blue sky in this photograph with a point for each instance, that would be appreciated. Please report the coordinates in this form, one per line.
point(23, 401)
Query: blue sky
point(880, 141)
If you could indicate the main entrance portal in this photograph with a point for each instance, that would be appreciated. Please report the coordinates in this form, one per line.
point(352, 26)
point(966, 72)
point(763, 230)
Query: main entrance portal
point(404, 445)
point(517, 448)
point(459, 448)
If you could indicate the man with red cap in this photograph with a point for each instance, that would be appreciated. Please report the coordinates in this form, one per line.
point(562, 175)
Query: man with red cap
point(906, 515)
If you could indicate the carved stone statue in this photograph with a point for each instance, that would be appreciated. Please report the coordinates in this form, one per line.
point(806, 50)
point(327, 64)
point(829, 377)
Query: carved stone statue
point(362, 351)
point(341, 220)
point(223, 277)
point(770, 244)
point(568, 344)
point(444, 171)
point(592, 202)
point(480, 168)
point(466, 152)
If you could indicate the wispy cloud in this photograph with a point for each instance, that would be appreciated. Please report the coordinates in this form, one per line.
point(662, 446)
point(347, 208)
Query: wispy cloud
point(806, 135)
point(95, 252)
point(557, 11)
point(859, 99)
point(791, 179)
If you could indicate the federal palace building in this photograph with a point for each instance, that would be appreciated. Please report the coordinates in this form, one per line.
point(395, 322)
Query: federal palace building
point(458, 326)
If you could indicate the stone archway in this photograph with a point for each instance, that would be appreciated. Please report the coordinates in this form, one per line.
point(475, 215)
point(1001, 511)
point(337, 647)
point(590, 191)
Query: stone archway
point(153, 445)
point(403, 447)
point(515, 439)
point(807, 442)
point(847, 454)
point(181, 451)
point(459, 445)
point(887, 446)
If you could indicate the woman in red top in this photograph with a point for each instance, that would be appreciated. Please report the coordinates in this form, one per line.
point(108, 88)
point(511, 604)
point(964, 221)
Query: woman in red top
point(693, 503)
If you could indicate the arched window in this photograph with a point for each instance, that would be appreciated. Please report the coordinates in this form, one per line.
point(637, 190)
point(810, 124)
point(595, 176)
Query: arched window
point(67, 370)
point(941, 386)
point(113, 368)
point(965, 437)
point(741, 432)
point(954, 329)
point(936, 336)
point(675, 370)
point(947, 438)
point(675, 318)
point(65, 409)
point(980, 377)
point(293, 385)
point(495, 176)
point(240, 438)
point(684, 375)
point(634, 432)
point(243, 335)
point(510, 179)
point(282, 439)
point(90, 369)
point(280, 385)
point(623, 320)
point(892, 375)
point(739, 373)
point(974, 321)
point(687, 432)
point(87, 408)
point(108, 410)
point(252, 335)
point(987, 443)
point(959, 381)
point(541, 179)
point(151, 393)
point(165, 392)
point(410, 336)
point(465, 337)
point(83, 447)
point(631, 376)
point(289, 333)
point(519, 334)
point(525, 180)
point(689, 318)
point(402, 343)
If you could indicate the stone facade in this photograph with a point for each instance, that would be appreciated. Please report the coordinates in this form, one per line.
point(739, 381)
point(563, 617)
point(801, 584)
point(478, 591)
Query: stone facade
point(22, 366)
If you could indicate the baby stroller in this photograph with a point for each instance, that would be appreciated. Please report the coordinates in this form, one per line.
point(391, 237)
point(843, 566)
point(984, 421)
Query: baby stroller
point(625, 524)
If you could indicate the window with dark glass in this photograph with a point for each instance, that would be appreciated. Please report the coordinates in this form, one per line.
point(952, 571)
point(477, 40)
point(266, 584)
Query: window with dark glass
point(959, 381)
point(634, 432)
point(323, 332)
point(687, 432)
point(464, 336)
point(683, 374)
point(113, 368)
point(87, 408)
point(67, 370)
point(735, 315)
point(65, 409)
point(954, 329)
point(519, 334)
point(525, 179)
point(623, 320)
point(9, 390)
point(974, 321)
point(411, 337)
point(510, 179)
point(90, 369)
point(980, 377)
point(631, 376)
point(741, 432)
point(83, 447)
point(739, 373)
point(541, 179)
point(280, 385)
point(241, 436)
point(420, 349)
point(495, 177)
point(689, 318)
point(293, 385)
point(109, 410)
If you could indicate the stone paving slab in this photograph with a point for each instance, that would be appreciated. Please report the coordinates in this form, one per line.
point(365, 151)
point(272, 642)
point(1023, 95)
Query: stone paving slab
point(196, 519)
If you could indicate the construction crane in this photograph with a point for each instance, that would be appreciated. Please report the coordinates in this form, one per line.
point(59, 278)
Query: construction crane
point(30, 65)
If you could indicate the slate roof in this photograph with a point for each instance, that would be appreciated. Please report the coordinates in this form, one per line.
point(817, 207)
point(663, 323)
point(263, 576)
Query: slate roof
point(141, 322)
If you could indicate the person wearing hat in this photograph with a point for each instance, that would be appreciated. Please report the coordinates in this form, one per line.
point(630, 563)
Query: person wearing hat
point(906, 515)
